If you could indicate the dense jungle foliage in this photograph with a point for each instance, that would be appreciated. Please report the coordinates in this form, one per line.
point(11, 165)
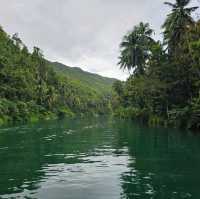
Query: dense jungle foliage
point(164, 85)
point(30, 89)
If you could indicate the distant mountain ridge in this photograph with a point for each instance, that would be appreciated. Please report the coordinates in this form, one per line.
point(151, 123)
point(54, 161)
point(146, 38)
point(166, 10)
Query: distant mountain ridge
point(94, 81)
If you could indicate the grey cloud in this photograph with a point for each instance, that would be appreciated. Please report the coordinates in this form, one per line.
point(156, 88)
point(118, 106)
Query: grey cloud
point(83, 33)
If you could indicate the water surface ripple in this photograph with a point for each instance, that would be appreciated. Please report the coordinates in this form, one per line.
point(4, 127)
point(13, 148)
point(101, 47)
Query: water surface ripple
point(98, 159)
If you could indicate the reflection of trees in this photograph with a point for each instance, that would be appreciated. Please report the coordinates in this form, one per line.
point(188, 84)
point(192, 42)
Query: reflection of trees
point(26, 151)
point(19, 159)
point(163, 163)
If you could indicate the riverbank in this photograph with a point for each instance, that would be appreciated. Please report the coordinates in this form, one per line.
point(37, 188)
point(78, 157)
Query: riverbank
point(13, 112)
point(175, 119)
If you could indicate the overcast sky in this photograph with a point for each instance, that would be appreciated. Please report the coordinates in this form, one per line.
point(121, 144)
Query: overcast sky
point(83, 33)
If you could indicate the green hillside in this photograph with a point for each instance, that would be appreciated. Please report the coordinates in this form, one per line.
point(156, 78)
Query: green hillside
point(30, 89)
point(96, 82)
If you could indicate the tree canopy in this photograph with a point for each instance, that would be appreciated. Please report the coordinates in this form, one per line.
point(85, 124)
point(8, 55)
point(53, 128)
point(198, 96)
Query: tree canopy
point(164, 87)
point(31, 89)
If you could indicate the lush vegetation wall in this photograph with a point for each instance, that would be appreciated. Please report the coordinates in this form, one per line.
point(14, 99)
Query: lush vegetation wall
point(30, 89)
point(164, 85)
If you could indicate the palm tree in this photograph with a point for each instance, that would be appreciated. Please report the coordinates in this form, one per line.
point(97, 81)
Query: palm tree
point(176, 24)
point(135, 48)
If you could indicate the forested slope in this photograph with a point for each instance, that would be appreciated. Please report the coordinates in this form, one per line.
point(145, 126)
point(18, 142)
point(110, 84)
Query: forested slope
point(30, 89)
point(96, 82)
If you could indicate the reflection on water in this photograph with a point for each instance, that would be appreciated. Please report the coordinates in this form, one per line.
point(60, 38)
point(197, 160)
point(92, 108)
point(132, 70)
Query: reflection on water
point(98, 159)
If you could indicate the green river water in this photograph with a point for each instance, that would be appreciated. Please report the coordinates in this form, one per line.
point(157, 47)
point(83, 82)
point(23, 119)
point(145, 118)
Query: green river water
point(98, 159)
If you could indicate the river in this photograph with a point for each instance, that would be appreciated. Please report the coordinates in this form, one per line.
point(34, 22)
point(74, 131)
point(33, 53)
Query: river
point(98, 158)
